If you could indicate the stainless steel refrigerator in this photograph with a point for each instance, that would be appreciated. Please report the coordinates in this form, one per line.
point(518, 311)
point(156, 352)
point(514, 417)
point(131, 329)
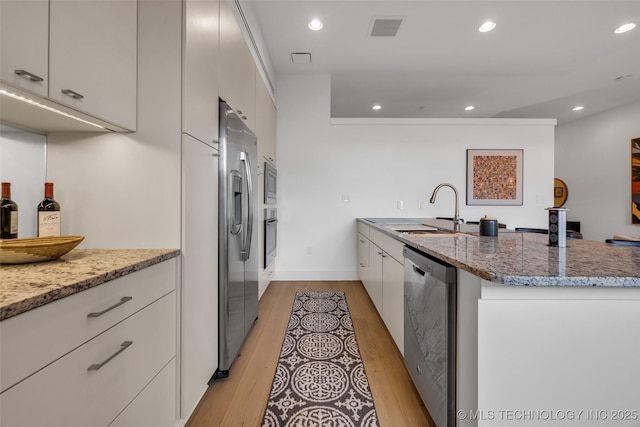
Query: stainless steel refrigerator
point(238, 236)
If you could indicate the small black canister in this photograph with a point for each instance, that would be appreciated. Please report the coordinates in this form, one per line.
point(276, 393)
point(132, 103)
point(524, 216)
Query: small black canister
point(488, 226)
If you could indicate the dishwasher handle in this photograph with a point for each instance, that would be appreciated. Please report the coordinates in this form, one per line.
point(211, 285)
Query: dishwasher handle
point(424, 265)
point(418, 270)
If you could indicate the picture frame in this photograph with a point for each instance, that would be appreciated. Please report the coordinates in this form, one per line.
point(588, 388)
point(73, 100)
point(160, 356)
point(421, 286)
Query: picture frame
point(560, 193)
point(635, 180)
point(494, 177)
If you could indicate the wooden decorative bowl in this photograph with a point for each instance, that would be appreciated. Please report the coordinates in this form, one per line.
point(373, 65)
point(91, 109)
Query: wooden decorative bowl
point(39, 249)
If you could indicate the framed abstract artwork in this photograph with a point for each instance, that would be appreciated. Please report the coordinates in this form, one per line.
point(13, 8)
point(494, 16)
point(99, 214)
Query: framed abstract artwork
point(635, 181)
point(494, 177)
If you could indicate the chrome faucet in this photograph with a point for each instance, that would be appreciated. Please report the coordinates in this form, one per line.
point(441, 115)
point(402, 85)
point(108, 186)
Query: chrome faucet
point(456, 217)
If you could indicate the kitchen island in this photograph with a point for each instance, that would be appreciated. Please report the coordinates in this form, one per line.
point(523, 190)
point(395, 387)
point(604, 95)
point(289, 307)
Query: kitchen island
point(546, 335)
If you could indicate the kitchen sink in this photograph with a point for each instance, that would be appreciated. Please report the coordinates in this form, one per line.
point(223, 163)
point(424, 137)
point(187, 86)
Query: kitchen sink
point(433, 233)
point(423, 231)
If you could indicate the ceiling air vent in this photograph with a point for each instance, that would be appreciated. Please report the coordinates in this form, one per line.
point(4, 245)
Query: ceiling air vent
point(301, 57)
point(385, 27)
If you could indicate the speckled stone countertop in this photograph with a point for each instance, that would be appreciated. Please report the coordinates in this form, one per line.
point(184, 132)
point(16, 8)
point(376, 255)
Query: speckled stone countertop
point(515, 258)
point(27, 286)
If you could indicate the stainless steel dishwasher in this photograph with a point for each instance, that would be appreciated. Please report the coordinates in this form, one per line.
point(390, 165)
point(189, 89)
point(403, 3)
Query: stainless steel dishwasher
point(430, 300)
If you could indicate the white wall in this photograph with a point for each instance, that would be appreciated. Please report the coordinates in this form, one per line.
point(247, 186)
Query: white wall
point(593, 157)
point(123, 190)
point(377, 165)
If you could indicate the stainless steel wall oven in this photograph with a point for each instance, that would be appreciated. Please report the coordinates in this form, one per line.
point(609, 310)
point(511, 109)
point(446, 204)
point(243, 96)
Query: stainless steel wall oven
point(270, 181)
point(270, 235)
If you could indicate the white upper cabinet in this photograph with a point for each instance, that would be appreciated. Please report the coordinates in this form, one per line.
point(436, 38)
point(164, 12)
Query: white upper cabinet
point(237, 68)
point(200, 71)
point(92, 58)
point(24, 44)
point(265, 126)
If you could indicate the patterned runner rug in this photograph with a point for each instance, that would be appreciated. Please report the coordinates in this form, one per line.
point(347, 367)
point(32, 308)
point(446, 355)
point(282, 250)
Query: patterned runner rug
point(320, 380)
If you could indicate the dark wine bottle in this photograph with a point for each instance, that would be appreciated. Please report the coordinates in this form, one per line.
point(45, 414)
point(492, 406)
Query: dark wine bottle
point(48, 213)
point(8, 214)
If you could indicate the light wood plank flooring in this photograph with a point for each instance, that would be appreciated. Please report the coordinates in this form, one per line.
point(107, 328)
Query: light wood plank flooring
point(240, 400)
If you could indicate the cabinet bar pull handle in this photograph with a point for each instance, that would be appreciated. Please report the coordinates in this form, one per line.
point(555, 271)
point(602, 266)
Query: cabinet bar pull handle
point(74, 95)
point(122, 348)
point(28, 75)
point(100, 313)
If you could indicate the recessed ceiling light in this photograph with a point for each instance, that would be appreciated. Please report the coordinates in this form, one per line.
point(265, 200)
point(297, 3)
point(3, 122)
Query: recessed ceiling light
point(577, 108)
point(624, 28)
point(315, 24)
point(487, 26)
point(376, 107)
point(469, 108)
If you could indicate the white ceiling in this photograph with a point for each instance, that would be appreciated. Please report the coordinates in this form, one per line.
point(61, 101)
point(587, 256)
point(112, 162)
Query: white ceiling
point(543, 58)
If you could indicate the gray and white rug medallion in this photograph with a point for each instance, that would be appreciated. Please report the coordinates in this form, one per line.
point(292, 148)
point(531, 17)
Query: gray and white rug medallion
point(320, 379)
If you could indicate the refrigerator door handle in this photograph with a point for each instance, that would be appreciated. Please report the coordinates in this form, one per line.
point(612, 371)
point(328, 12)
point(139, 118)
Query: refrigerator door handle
point(235, 207)
point(244, 157)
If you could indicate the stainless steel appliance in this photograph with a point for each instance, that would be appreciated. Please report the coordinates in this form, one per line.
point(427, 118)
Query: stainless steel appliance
point(238, 247)
point(270, 181)
point(430, 299)
point(270, 235)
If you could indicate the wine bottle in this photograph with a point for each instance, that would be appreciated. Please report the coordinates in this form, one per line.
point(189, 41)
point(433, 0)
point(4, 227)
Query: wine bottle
point(8, 214)
point(48, 213)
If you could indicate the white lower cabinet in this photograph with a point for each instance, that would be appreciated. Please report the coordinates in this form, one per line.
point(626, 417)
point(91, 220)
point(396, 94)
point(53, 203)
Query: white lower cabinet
point(393, 299)
point(91, 385)
point(381, 270)
point(374, 285)
point(109, 352)
point(156, 405)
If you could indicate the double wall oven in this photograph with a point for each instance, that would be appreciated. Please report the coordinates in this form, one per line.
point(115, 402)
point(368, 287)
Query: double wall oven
point(270, 214)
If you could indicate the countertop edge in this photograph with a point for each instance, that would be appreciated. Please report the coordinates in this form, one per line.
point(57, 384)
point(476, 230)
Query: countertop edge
point(513, 280)
point(30, 303)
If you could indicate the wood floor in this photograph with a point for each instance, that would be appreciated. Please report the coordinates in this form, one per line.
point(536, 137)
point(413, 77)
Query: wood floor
point(240, 400)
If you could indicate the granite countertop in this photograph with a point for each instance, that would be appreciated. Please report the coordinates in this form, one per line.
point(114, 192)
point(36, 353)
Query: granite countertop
point(515, 258)
point(27, 286)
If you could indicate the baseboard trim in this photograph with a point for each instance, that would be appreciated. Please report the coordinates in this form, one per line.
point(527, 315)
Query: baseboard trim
point(289, 275)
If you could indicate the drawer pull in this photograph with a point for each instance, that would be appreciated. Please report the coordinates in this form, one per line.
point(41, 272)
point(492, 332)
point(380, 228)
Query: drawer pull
point(118, 304)
point(28, 75)
point(74, 95)
point(123, 347)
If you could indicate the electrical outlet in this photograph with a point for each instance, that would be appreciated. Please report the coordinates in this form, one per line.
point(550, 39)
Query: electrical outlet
point(400, 204)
